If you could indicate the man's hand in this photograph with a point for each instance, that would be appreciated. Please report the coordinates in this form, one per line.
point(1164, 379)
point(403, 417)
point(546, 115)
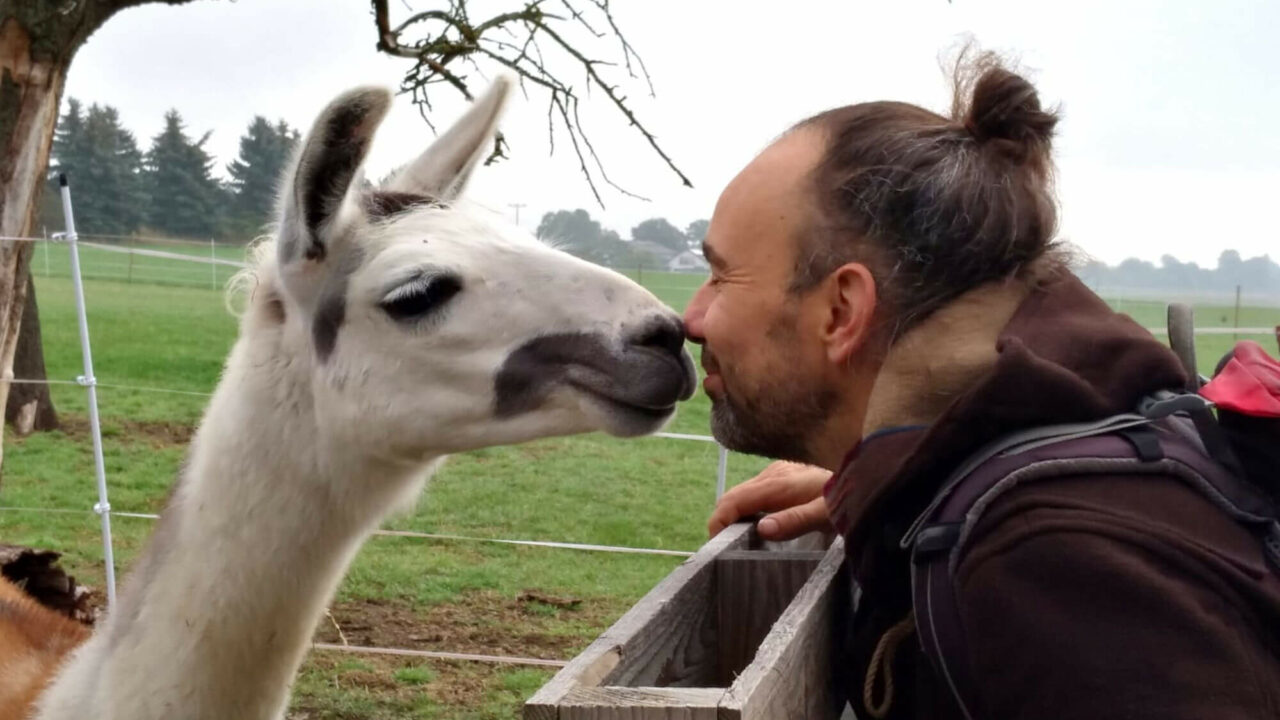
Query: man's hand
point(790, 491)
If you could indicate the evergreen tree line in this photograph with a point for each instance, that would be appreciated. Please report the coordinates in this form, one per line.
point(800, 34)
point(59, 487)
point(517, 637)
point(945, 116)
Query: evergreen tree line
point(170, 189)
point(654, 241)
point(1257, 275)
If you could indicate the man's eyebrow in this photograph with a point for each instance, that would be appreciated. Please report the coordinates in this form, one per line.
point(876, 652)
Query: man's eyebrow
point(711, 255)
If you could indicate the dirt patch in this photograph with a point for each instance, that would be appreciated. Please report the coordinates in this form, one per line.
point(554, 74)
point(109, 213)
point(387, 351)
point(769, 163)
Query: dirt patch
point(337, 685)
point(483, 623)
point(157, 434)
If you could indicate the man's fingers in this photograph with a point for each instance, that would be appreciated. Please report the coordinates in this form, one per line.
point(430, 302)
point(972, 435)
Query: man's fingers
point(754, 496)
point(779, 487)
point(725, 514)
point(796, 521)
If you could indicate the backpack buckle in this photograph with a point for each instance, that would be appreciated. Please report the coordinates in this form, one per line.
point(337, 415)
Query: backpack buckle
point(1164, 403)
point(934, 539)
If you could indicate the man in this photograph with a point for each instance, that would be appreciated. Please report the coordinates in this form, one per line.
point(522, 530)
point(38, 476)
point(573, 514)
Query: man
point(885, 297)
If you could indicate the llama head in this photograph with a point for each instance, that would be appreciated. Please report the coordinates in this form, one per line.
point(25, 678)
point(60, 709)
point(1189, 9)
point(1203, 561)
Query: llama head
point(429, 326)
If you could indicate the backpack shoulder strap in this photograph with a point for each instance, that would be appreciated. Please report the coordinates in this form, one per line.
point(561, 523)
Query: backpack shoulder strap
point(937, 536)
point(1127, 443)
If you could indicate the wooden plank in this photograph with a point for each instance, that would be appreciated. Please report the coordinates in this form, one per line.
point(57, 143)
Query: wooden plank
point(753, 588)
point(640, 703)
point(810, 557)
point(791, 674)
point(817, 541)
point(644, 640)
point(677, 648)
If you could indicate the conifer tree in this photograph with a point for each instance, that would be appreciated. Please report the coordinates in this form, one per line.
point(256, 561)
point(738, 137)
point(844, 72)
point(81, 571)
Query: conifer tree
point(255, 174)
point(186, 200)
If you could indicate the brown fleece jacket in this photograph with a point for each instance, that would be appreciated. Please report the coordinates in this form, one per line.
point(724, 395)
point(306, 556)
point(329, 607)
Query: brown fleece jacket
point(1080, 597)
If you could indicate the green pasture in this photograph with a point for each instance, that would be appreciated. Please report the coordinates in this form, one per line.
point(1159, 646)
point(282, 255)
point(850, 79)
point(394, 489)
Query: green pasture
point(158, 326)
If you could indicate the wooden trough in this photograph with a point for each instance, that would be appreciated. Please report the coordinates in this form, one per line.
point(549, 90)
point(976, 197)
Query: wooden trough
point(740, 630)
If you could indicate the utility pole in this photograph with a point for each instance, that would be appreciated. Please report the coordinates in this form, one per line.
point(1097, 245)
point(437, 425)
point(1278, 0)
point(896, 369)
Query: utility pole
point(517, 207)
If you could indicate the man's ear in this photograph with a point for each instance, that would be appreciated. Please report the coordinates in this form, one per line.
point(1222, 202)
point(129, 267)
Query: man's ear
point(851, 299)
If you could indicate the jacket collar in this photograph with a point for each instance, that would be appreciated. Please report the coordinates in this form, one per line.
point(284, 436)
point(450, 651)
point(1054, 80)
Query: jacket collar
point(998, 358)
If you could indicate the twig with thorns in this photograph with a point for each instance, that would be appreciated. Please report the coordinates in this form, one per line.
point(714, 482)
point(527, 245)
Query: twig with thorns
point(451, 41)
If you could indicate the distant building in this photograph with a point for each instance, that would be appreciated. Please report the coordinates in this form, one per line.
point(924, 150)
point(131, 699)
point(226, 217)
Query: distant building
point(651, 254)
point(687, 261)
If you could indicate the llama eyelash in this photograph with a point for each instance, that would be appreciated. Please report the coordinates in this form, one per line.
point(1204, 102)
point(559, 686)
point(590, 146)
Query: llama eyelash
point(417, 285)
point(421, 296)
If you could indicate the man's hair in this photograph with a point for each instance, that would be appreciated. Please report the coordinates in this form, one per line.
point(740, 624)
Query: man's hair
point(934, 205)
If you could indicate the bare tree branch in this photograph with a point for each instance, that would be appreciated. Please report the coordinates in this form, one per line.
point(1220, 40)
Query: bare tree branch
point(628, 52)
point(577, 15)
point(443, 42)
point(618, 101)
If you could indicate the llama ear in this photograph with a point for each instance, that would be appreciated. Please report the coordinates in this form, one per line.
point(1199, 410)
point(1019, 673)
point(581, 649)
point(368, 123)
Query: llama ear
point(325, 169)
point(441, 172)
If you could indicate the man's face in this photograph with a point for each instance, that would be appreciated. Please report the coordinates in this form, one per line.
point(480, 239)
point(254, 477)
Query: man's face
point(761, 348)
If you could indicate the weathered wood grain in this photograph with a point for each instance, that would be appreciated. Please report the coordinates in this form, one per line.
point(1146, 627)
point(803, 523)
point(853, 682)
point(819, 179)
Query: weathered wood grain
point(641, 703)
point(790, 676)
point(672, 655)
point(638, 648)
point(816, 541)
point(753, 587)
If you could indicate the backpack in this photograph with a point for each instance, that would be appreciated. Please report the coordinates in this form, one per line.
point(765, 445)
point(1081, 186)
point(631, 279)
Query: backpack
point(1232, 458)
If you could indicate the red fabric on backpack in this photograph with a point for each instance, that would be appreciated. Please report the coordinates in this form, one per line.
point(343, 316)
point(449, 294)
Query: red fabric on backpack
point(1248, 384)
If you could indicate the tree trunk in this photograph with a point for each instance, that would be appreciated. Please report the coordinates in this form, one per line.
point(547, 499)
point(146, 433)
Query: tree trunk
point(38, 39)
point(30, 407)
point(31, 85)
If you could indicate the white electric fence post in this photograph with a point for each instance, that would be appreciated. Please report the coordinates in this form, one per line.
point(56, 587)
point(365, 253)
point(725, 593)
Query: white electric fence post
point(103, 507)
point(721, 471)
point(213, 266)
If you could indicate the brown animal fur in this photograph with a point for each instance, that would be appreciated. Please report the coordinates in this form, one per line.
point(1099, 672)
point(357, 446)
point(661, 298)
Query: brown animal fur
point(33, 642)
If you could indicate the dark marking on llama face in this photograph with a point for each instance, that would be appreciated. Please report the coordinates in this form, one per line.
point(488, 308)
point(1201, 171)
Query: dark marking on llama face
point(647, 374)
point(530, 373)
point(382, 204)
point(330, 315)
point(331, 307)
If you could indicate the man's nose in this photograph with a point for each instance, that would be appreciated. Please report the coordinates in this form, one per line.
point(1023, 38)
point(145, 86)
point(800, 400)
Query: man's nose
point(695, 311)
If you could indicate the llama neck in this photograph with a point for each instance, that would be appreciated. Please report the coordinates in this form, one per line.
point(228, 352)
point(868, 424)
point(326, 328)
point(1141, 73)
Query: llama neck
point(219, 611)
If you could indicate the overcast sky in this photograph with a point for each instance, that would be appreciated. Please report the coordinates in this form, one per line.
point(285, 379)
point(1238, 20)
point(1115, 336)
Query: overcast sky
point(1167, 145)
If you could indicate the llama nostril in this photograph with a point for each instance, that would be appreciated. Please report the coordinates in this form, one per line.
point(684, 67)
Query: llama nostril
point(662, 333)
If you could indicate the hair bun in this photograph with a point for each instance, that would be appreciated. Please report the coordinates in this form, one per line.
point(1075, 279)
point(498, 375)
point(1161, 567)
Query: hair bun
point(1004, 112)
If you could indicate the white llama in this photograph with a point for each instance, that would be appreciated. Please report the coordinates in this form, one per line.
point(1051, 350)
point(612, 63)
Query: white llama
point(388, 328)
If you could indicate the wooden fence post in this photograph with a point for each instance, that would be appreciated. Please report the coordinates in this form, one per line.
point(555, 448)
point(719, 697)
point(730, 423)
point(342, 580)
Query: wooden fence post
point(740, 631)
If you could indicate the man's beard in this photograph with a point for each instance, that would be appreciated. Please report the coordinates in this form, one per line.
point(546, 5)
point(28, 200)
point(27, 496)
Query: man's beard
point(776, 419)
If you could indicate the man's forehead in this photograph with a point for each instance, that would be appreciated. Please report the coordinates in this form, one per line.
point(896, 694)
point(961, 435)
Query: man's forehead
point(771, 197)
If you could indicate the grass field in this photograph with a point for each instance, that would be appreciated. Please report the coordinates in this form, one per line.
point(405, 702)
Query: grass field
point(454, 596)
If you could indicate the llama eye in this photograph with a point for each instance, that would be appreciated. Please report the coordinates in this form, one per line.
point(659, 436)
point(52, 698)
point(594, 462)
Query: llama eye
point(421, 297)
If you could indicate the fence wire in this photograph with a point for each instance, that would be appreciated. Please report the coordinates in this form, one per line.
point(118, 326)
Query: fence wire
point(176, 267)
point(183, 266)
